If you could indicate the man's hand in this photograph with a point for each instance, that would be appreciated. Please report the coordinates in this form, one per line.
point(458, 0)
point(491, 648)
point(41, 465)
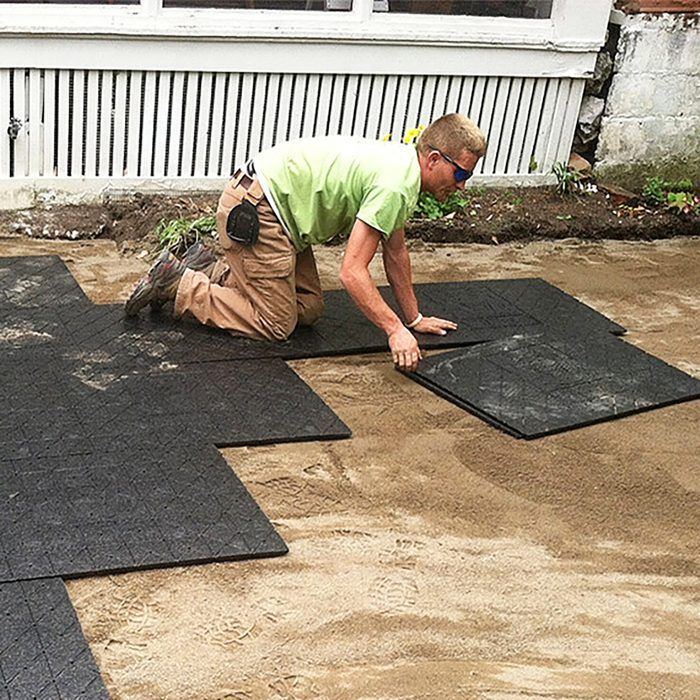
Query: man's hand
point(404, 350)
point(436, 326)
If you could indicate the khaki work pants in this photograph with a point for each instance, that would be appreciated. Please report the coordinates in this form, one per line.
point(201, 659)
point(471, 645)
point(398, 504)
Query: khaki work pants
point(266, 289)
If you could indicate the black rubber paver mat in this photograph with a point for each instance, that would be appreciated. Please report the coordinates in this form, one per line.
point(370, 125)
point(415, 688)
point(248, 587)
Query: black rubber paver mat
point(107, 458)
point(484, 310)
point(85, 514)
point(65, 406)
point(39, 312)
point(43, 653)
point(104, 469)
point(537, 385)
point(39, 282)
point(551, 307)
point(481, 314)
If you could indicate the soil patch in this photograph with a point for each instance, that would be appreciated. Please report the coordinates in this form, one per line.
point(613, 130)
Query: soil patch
point(526, 214)
point(491, 216)
point(128, 221)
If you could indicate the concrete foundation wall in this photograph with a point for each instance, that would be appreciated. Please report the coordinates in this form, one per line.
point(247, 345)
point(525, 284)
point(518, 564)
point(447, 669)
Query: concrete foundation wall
point(651, 123)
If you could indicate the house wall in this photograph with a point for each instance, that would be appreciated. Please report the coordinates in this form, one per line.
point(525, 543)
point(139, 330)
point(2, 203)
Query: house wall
point(651, 124)
point(112, 99)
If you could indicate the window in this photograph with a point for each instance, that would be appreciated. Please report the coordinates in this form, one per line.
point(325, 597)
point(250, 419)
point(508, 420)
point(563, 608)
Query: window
point(436, 22)
point(524, 9)
point(521, 9)
point(528, 9)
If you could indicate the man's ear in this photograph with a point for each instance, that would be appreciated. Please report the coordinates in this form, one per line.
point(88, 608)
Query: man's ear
point(432, 158)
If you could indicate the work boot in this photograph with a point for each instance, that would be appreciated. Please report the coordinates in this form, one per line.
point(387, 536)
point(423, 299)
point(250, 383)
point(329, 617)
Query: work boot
point(160, 283)
point(198, 258)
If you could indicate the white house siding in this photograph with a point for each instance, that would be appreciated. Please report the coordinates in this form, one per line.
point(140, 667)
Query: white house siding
point(125, 98)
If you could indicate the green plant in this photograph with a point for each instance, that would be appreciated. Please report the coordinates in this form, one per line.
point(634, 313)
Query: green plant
point(684, 185)
point(568, 179)
point(533, 165)
point(656, 190)
point(178, 234)
point(431, 208)
point(514, 199)
point(682, 202)
point(653, 191)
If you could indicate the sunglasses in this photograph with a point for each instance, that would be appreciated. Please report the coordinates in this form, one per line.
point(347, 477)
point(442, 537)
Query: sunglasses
point(461, 175)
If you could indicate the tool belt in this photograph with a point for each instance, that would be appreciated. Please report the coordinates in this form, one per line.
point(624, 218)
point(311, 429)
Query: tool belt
point(242, 223)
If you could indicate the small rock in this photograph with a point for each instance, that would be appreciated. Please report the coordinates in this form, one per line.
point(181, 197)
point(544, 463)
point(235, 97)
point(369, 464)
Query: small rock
point(580, 164)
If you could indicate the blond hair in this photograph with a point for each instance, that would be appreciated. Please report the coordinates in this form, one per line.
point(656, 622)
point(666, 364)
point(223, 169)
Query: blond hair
point(453, 134)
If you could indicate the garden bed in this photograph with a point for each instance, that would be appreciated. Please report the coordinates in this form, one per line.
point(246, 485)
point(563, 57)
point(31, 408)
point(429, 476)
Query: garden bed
point(489, 216)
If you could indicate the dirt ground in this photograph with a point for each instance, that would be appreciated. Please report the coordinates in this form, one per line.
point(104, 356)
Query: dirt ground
point(490, 215)
point(432, 556)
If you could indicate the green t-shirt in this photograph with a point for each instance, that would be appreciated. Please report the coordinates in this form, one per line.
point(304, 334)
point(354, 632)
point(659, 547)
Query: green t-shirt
point(319, 186)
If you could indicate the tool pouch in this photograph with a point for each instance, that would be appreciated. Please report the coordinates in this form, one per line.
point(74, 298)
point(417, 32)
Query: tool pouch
point(242, 224)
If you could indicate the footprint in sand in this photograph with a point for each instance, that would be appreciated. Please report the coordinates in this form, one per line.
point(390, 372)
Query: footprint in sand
point(403, 554)
point(226, 632)
point(394, 594)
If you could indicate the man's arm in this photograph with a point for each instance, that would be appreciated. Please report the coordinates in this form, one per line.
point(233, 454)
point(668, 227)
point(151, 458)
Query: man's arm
point(397, 264)
point(355, 277)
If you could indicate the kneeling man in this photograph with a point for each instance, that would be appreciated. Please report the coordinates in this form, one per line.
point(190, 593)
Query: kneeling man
point(303, 193)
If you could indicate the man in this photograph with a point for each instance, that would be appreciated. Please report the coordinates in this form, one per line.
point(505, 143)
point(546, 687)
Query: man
point(303, 193)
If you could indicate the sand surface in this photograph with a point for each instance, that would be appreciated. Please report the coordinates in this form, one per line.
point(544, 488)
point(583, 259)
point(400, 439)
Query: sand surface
point(432, 556)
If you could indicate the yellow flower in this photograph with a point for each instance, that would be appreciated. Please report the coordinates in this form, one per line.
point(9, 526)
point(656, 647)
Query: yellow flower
point(413, 134)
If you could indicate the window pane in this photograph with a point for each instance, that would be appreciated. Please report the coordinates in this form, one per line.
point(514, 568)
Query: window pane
point(264, 4)
point(530, 9)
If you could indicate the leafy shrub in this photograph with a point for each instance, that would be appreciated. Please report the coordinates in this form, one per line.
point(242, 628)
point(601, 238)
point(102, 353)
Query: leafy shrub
point(656, 190)
point(178, 234)
point(431, 208)
point(653, 191)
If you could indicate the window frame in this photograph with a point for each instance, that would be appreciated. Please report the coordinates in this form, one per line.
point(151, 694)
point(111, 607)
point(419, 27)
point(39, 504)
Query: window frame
point(573, 26)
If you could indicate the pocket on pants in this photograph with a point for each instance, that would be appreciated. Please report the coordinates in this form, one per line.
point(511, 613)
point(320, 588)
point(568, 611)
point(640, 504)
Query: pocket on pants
point(268, 266)
point(270, 286)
